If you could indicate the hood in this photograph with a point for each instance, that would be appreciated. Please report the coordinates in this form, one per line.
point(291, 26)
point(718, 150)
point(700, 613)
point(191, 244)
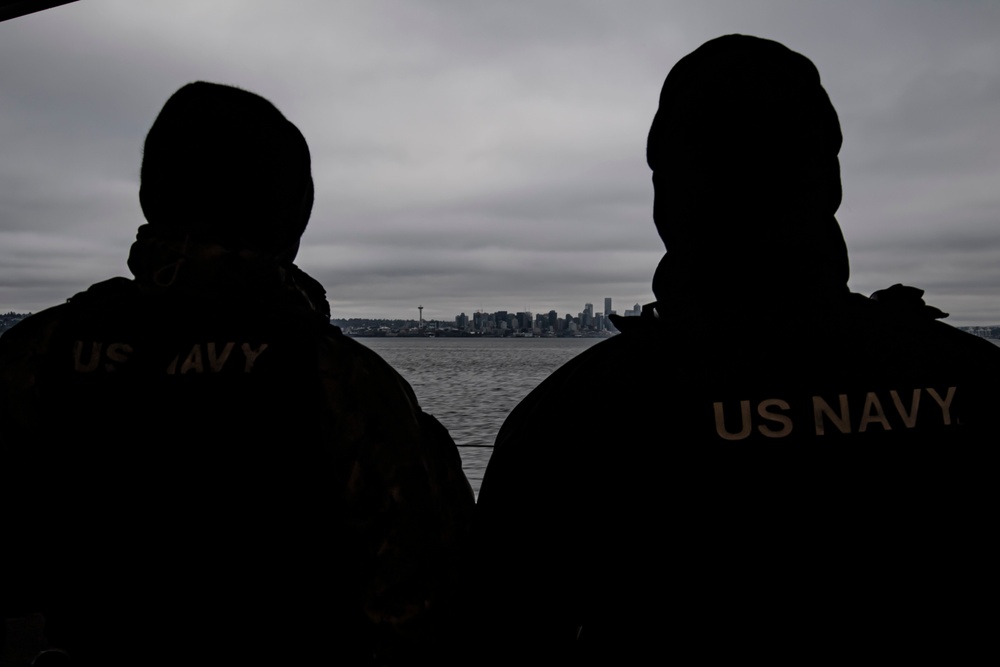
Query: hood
point(182, 265)
point(743, 150)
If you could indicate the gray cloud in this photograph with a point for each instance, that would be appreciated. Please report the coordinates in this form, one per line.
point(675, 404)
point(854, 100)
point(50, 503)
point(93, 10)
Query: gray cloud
point(491, 155)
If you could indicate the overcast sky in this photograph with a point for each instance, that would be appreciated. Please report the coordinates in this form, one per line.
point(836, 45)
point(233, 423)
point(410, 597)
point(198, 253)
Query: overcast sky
point(491, 155)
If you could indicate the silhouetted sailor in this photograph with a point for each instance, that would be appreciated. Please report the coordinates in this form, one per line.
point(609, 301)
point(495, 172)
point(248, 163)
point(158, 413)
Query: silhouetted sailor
point(811, 474)
point(196, 465)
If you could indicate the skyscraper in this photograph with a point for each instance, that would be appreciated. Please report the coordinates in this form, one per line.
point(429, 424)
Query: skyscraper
point(607, 306)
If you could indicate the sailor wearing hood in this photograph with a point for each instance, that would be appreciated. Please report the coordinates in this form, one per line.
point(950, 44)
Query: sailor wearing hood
point(198, 467)
point(777, 468)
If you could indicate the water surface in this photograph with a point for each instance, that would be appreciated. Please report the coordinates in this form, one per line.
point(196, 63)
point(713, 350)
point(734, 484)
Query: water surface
point(472, 384)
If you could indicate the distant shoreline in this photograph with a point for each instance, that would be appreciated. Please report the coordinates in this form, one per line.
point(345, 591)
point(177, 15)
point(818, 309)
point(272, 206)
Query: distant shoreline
point(9, 319)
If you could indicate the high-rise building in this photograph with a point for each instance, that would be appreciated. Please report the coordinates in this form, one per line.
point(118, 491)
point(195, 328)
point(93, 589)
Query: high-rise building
point(607, 306)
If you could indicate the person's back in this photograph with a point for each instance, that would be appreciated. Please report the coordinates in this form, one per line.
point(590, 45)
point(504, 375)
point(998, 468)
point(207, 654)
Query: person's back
point(779, 468)
point(204, 467)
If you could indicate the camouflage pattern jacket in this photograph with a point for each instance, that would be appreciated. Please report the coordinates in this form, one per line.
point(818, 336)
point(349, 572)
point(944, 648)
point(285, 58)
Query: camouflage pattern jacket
point(202, 437)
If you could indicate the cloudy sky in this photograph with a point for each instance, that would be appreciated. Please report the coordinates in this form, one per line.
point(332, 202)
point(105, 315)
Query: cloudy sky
point(489, 155)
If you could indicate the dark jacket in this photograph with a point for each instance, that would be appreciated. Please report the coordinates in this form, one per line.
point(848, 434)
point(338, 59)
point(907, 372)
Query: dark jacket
point(199, 453)
point(814, 486)
point(774, 468)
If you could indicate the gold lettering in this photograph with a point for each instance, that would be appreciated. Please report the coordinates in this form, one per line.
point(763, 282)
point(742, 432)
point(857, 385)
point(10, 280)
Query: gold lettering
point(909, 418)
point(872, 403)
point(842, 421)
point(117, 352)
point(172, 368)
point(251, 355)
point(92, 361)
point(720, 422)
point(785, 421)
point(193, 361)
point(944, 403)
point(217, 362)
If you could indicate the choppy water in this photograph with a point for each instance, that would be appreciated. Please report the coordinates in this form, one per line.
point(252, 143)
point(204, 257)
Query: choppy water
point(472, 384)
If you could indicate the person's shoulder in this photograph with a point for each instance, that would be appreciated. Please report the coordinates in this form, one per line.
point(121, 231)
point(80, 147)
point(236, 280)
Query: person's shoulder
point(613, 356)
point(918, 330)
point(956, 337)
point(34, 331)
point(23, 351)
point(604, 373)
point(601, 352)
point(349, 349)
point(41, 326)
point(972, 354)
point(347, 362)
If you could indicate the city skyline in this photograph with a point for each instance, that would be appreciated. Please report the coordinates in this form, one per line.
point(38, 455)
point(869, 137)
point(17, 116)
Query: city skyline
point(420, 308)
point(496, 323)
